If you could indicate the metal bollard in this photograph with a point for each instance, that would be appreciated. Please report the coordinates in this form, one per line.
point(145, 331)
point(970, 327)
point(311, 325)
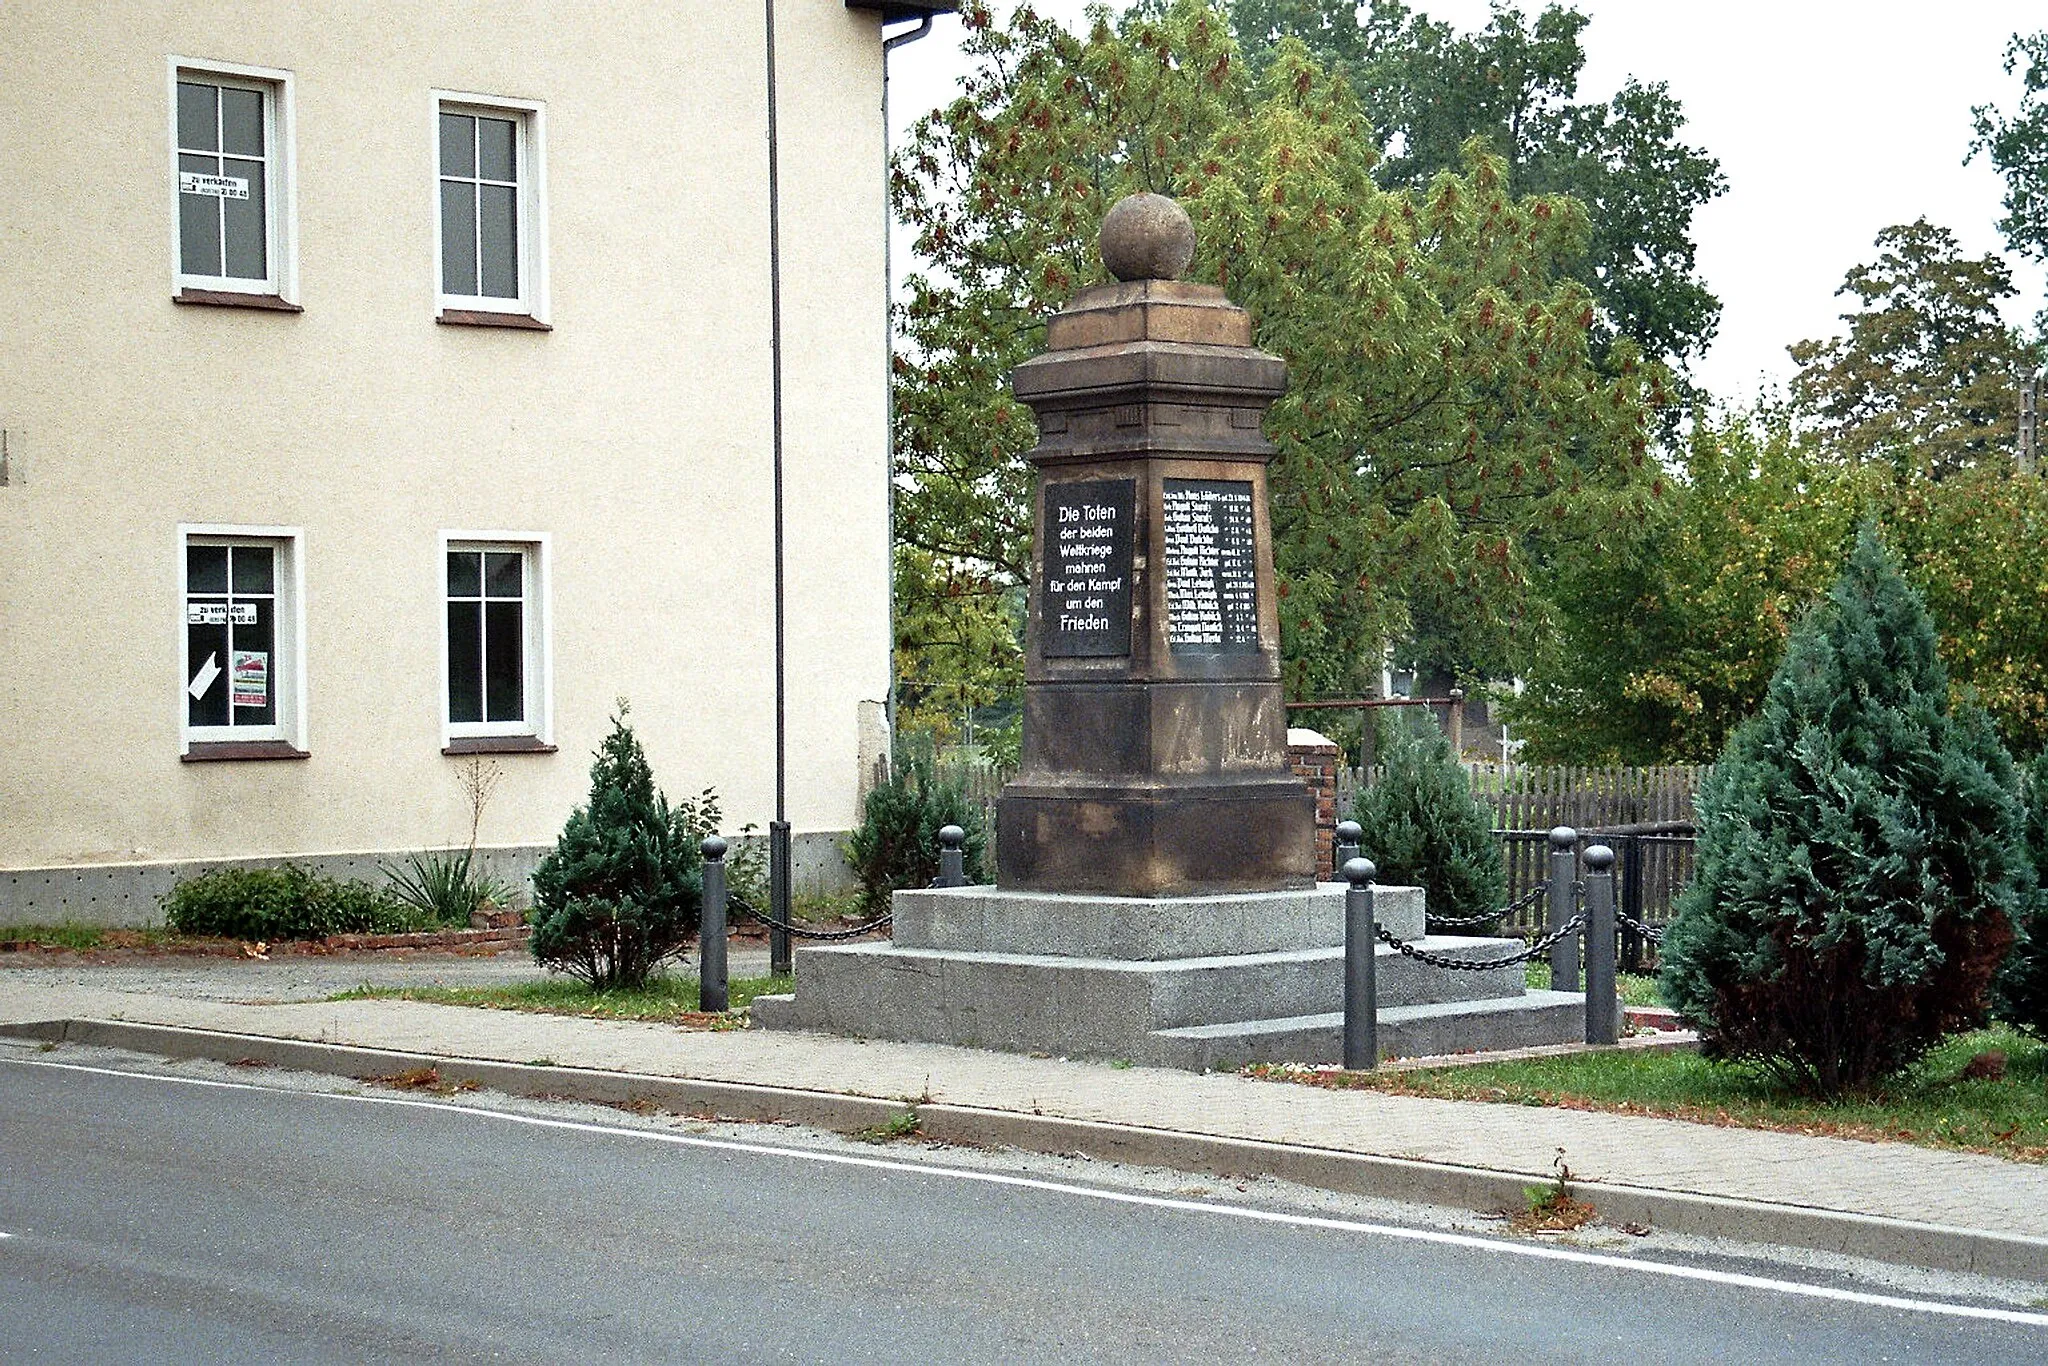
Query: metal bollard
point(1349, 833)
point(1603, 1007)
point(1361, 1007)
point(778, 897)
point(711, 979)
point(1564, 954)
point(952, 856)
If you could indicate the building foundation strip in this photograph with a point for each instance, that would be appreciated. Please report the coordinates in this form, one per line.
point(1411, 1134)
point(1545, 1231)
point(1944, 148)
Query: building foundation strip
point(1897, 1241)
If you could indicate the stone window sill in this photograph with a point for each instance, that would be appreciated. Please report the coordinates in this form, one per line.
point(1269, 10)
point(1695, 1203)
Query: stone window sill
point(498, 744)
point(216, 751)
point(228, 298)
point(468, 317)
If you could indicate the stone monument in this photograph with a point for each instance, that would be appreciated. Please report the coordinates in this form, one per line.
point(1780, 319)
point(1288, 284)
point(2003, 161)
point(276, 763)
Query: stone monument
point(1155, 896)
point(1155, 740)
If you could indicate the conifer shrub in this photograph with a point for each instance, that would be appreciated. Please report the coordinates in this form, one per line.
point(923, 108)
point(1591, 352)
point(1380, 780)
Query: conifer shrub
point(622, 888)
point(2023, 985)
point(896, 844)
point(1860, 853)
point(1423, 828)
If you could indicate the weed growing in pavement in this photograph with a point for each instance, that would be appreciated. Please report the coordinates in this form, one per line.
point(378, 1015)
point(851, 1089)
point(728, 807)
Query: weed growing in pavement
point(902, 1126)
point(423, 1079)
point(1552, 1207)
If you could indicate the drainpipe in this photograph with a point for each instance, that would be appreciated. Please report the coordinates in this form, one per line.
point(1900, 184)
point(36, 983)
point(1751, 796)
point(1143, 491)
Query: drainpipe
point(889, 44)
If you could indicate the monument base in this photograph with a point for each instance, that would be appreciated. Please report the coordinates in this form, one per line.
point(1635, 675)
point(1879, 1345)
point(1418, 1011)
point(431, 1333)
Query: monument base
point(1177, 981)
point(1164, 840)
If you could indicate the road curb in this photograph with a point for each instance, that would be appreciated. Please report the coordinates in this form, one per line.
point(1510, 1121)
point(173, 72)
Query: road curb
point(1900, 1241)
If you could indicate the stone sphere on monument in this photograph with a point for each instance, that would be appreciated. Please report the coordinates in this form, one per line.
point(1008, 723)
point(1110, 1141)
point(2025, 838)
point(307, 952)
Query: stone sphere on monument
point(1147, 237)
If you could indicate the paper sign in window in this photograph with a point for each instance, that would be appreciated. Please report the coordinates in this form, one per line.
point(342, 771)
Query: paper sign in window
point(206, 614)
point(251, 680)
point(218, 186)
point(243, 614)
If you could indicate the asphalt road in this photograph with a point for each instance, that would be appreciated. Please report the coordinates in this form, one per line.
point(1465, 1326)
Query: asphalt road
point(162, 1220)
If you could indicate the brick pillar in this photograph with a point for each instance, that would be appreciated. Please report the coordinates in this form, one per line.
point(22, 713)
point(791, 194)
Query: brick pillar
point(1314, 758)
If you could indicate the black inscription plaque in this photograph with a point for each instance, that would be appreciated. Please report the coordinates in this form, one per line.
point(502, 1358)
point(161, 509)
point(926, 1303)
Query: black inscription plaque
point(1212, 585)
point(1085, 599)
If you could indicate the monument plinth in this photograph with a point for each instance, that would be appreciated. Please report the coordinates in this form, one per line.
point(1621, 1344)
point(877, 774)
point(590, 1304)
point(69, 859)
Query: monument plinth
point(1154, 755)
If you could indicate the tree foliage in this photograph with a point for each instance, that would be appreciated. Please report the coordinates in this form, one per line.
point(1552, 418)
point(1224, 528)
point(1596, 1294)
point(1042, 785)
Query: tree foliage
point(896, 845)
point(1426, 89)
point(1861, 857)
point(1423, 829)
point(1446, 430)
point(622, 887)
point(2018, 147)
point(1927, 376)
point(2023, 985)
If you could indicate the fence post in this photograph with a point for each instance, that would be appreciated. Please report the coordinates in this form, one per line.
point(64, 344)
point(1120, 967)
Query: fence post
point(1349, 833)
point(711, 982)
point(1456, 718)
point(1603, 1014)
point(1632, 901)
point(952, 857)
point(1361, 1009)
point(1564, 954)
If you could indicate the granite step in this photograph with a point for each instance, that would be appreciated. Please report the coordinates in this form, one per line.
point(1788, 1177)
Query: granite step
point(1535, 1018)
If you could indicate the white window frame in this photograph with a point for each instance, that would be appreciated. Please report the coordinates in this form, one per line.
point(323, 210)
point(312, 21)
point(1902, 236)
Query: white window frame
point(288, 650)
point(530, 120)
point(538, 663)
point(280, 188)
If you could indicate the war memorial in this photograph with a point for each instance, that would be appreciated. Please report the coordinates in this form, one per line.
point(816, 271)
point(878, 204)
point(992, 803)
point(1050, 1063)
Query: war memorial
point(1155, 895)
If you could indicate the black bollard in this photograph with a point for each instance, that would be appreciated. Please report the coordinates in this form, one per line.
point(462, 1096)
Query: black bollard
point(1564, 954)
point(778, 897)
point(1603, 1008)
point(711, 980)
point(1349, 833)
point(1361, 1009)
point(952, 856)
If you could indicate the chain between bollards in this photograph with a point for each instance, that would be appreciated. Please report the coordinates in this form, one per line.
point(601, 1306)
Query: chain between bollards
point(1564, 954)
point(1603, 1007)
point(1361, 1004)
point(952, 856)
point(712, 994)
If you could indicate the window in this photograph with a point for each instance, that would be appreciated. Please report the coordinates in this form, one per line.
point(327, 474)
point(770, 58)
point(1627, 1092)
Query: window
point(230, 148)
point(241, 678)
point(488, 209)
point(495, 636)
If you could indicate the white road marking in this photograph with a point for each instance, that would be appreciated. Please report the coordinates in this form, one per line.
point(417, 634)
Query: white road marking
point(1532, 1251)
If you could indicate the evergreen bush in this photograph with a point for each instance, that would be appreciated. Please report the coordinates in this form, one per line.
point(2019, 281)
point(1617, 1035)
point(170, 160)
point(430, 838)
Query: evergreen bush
point(271, 905)
point(621, 889)
point(896, 844)
point(1860, 852)
point(2023, 986)
point(1423, 828)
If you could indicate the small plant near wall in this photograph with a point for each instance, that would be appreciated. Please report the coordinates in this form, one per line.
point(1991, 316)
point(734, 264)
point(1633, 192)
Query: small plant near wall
point(622, 888)
point(270, 905)
point(1423, 829)
point(896, 844)
point(447, 886)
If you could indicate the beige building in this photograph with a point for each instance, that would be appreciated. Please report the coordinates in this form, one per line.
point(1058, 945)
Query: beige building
point(385, 383)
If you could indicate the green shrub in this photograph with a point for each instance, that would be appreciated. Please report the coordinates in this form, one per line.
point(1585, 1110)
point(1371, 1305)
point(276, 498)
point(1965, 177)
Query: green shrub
point(275, 904)
point(1423, 829)
point(447, 888)
point(621, 889)
point(896, 844)
point(1860, 853)
point(2023, 985)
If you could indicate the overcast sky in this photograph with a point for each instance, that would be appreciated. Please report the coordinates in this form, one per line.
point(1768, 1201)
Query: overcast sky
point(1831, 121)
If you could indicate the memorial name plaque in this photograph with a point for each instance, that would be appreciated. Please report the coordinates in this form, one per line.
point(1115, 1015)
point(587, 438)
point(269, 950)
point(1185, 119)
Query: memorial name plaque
point(1212, 592)
point(1085, 600)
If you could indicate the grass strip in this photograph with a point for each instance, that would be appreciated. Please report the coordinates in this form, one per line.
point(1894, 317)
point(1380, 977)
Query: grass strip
point(1950, 1099)
point(669, 999)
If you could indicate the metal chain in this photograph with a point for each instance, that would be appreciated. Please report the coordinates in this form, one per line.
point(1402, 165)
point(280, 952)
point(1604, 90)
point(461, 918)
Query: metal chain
point(1652, 933)
point(1535, 948)
point(1454, 922)
point(823, 936)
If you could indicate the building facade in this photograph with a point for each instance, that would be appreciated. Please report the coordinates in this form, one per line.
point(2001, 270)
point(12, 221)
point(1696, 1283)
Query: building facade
point(388, 384)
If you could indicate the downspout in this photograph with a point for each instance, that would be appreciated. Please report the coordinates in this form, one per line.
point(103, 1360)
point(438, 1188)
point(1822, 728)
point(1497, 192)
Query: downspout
point(778, 829)
point(889, 45)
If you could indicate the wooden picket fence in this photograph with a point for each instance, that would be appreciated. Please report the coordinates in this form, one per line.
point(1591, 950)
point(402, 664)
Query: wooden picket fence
point(1604, 803)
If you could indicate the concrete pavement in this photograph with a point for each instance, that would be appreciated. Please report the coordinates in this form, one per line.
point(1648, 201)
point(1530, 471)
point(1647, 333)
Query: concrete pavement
point(1891, 1202)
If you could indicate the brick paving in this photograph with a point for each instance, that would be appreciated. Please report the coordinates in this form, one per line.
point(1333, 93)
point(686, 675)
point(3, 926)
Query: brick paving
point(1898, 1181)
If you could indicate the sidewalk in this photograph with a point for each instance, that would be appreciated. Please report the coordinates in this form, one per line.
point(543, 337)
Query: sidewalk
point(1893, 1202)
